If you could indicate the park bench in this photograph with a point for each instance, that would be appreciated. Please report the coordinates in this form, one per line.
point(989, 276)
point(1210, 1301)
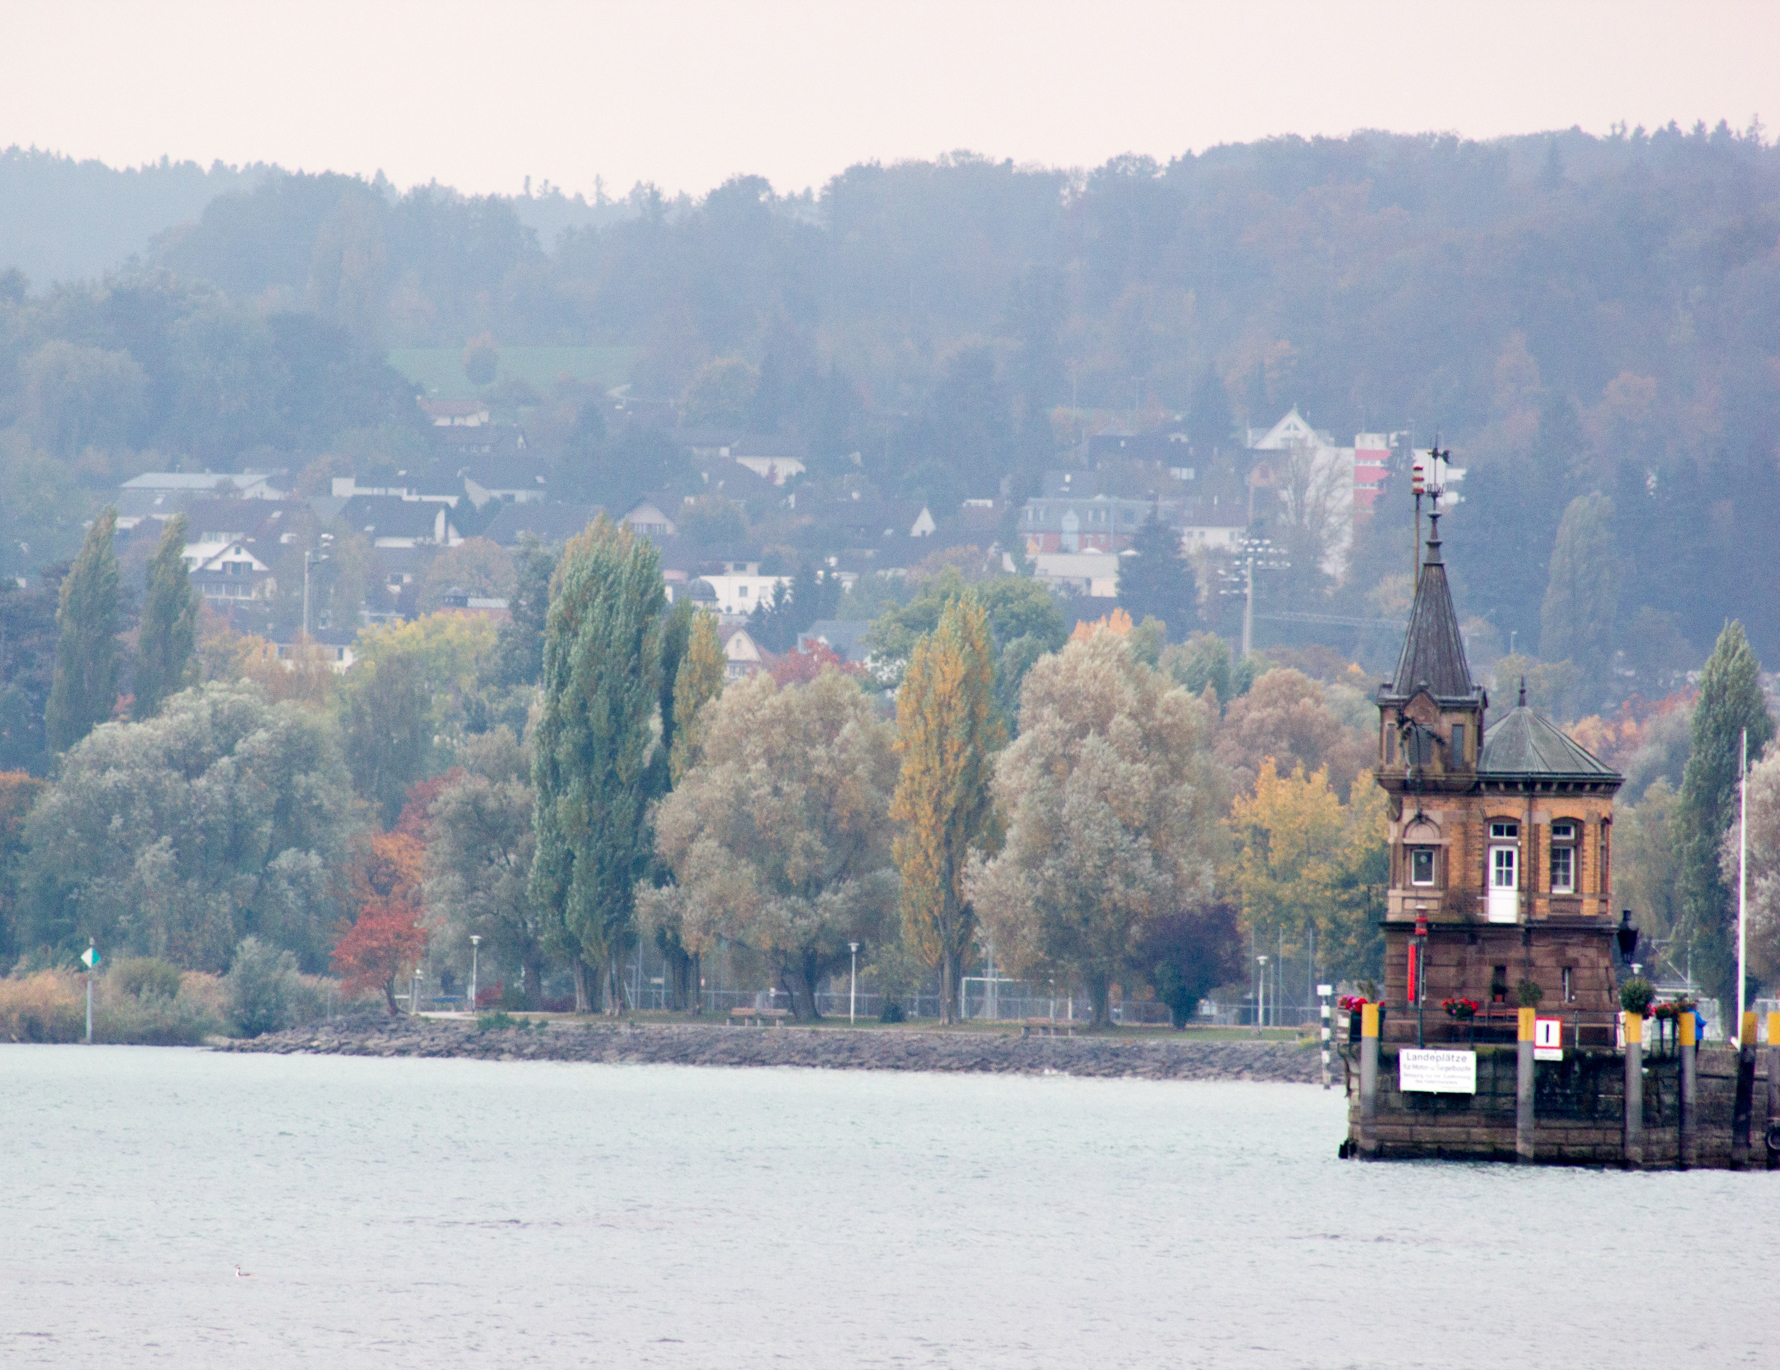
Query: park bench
point(745, 1016)
point(1050, 1027)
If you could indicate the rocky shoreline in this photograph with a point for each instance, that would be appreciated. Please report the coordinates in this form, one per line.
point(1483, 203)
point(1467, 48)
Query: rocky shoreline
point(717, 1044)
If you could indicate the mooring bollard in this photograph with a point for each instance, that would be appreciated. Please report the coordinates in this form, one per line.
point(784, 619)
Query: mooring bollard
point(1634, 1090)
point(1745, 1105)
point(1689, 1062)
point(1773, 1088)
point(1523, 1088)
point(1369, 1081)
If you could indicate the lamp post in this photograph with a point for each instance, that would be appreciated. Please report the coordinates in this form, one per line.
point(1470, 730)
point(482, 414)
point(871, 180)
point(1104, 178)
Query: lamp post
point(1261, 995)
point(853, 984)
point(311, 558)
point(475, 947)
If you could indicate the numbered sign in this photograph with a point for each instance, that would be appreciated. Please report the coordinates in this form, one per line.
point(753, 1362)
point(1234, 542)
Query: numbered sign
point(1548, 1039)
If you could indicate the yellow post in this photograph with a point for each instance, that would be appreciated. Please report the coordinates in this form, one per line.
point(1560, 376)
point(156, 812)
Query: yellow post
point(1634, 1029)
point(1523, 1088)
point(1689, 1063)
point(1634, 1090)
point(1369, 1081)
point(1773, 1087)
point(1748, 1036)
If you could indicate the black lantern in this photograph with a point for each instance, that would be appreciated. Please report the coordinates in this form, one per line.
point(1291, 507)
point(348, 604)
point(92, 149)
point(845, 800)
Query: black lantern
point(1627, 935)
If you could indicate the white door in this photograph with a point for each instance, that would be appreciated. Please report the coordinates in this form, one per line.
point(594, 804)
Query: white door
point(1504, 889)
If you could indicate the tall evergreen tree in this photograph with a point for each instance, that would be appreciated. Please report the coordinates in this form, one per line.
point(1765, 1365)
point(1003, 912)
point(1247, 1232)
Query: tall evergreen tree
point(1581, 606)
point(1156, 581)
point(169, 622)
point(602, 680)
point(1730, 701)
point(519, 651)
point(948, 728)
point(85, 687)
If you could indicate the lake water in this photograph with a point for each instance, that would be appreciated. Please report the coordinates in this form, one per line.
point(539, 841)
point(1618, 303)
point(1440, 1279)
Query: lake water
point(398, 1213)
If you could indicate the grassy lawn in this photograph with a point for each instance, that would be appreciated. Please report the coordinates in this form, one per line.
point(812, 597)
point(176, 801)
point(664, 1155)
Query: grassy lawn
point(439, 370)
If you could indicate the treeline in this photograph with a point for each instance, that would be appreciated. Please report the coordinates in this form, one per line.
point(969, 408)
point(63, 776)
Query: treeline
point(584, 780)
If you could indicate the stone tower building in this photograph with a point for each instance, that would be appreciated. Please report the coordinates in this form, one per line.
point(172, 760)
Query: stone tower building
point(1501, 845)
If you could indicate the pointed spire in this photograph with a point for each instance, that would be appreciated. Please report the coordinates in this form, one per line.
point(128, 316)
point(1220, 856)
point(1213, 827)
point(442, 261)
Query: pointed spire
point(1433, 538)
point(1433, 656)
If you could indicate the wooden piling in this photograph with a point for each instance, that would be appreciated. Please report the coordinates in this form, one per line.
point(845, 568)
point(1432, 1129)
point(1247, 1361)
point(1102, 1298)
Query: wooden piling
point(1745, 1104)
point(1689, 1050)
point(1369, 1081)
point(1634, 1091)
point(1523, 1089)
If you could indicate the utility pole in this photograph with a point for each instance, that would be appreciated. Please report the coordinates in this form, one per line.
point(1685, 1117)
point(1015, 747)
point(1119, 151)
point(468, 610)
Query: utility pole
point(853, 986)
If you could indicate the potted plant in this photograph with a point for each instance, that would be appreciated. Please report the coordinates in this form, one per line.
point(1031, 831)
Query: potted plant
point(1636, 994)
point(1461, 1010)
point(1529, 994)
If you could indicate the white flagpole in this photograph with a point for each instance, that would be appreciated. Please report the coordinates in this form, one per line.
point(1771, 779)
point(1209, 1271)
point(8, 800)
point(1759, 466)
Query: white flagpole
point(1742, 881)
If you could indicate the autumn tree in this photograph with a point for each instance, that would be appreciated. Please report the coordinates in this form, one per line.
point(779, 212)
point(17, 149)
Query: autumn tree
point(698, 681)
point(1112, 801)
point(947, 731)
point(779, 838)
point(169, 622)
point(85, 688)
point(383, 945)
point(1285, 715)
point(1731, 701)
point(1301, 869)
point(602, 663)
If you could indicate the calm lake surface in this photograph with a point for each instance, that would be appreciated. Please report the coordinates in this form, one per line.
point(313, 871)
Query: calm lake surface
point(446, 1212)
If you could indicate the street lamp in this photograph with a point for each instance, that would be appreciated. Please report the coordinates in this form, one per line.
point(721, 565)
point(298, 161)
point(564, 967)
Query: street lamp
point(1261, 995)
point(853, 985)
point(311, 558)
point(475, 947)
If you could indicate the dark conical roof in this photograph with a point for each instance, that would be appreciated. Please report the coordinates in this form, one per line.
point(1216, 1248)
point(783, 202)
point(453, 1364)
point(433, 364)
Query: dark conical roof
point(1433, 649)
point(1525, 743)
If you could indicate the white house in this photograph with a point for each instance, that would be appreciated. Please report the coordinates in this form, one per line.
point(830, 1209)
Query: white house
point(1095, 574)
point(742, 655)
point(392, 522)
point(227, 570)
point(648, 519)
point(455, 413)
point(511, 480)
point(737, 595)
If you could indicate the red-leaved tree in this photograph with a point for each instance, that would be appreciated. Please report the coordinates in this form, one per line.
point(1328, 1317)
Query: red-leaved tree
point(801, 665)
point(383, 946)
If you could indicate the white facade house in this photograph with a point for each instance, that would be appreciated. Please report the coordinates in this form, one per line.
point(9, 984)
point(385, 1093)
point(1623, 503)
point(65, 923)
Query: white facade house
point(737, 595)
point(227, 570)
point(742, 655)
point(776, 469)
point(1095, 574)
point(647, 518)
point(455, 413)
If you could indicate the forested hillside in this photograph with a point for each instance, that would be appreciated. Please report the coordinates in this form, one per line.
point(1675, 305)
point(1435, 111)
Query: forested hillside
point(1574, 315)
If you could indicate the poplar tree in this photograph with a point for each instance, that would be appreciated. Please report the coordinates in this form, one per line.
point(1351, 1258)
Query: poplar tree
point(1155, 581)
point(1730, 701)
point(85, 687)
point(602, 663)
point(698, 681)
point(948, 729)
point(169, 622)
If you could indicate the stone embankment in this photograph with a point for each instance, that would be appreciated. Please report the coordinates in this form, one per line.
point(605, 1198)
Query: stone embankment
point(700, 1044)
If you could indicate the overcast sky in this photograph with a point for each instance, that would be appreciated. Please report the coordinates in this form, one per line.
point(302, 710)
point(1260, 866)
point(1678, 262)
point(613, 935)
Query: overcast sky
point(482, 95)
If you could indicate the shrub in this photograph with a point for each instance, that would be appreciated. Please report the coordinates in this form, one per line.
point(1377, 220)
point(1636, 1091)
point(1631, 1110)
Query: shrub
point(46, 1007)
point(494, 1022)
point(145, 977)
point(1635, 994)
point(264, 991)
point(891, 1012)
point(152, 1018)
point(1529, 993)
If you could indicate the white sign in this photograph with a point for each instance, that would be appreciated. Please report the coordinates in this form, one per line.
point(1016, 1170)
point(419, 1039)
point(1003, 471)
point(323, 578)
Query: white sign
point(1548, 1039)
point(1437, 1072)
point(91, 958)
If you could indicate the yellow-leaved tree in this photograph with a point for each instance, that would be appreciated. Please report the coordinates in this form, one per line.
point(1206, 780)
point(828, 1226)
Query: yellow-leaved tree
point(698, 681)
point(1307, 863)
point(947, 731)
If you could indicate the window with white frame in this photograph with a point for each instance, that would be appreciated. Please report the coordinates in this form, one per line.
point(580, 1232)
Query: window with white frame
point(1421, 865)
point(1563, 858)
